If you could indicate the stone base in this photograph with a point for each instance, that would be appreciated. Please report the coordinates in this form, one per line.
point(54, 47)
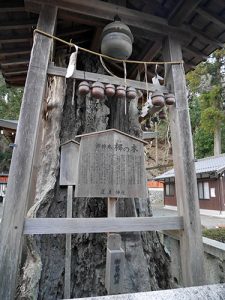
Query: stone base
point(209, 292)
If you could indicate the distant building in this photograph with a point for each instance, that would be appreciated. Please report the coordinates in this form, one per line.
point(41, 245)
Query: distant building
point(155, 191)
point(3, 184)
point(8, 128)
point(211, 185)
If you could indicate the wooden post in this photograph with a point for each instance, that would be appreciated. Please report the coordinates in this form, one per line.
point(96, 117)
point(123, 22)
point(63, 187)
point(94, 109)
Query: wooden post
point(68, 177)
point(67, 292)
point(112, 207)
point(192, 258)
point(17, 196)
point(114, 256)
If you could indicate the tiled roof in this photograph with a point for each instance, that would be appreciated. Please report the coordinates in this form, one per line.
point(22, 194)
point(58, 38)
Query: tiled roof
point(9, 124)
point(215, 164)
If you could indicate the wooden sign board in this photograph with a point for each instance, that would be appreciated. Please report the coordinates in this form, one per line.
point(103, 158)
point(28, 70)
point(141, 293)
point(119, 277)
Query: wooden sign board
point(69, 163)
point(111, 164)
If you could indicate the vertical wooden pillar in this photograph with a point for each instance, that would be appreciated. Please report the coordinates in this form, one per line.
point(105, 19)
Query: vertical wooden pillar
point(192, 258)
point(18, 189)
point(69, 214)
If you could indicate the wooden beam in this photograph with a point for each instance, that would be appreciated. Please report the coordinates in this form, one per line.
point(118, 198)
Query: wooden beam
point(182, 11)
point(192, 258)
point(148, 54)
point(12, 38)
point(23, 24)
point(69, 33)
point(15, 79)
point(17, 195)
point(17, 62)
point(152, 7)
point(95, 44)
point(14, 73)
point(80, 19)
point(203, 37)
point(82, 75)
point(6, 60)
point(20, 83)
point(14, 52)
point(116, 66)
point(192, 50)
point(66, 15)
point(4, 10)
point(211, 17)
point(100, 225)
point(106, 12)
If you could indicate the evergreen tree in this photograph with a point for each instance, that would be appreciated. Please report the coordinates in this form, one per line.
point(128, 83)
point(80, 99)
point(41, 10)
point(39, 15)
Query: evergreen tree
point(10, 102)
point(206, 94)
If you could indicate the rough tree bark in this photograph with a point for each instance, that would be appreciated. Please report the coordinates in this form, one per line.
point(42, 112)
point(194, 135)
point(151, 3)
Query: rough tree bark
point(147, 266)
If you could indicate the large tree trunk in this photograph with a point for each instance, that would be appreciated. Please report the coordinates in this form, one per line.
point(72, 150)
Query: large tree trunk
point(42, 275)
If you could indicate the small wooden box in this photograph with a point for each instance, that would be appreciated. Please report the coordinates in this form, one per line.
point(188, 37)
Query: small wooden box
point(111, 164)
point(69, 163)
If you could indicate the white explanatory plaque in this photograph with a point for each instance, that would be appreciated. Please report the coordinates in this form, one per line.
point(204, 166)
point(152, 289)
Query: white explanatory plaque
point(69, 163)
point(111, 164)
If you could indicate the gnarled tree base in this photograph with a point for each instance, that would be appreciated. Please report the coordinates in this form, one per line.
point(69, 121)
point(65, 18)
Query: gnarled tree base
point(42, 275)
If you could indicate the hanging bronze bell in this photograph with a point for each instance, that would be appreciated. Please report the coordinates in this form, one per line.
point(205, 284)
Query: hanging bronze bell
point(121, 91)
point(158, 99)
point(131, 93)
point(117, 40)
point(162, 115)
point(110, 90)
point(83, 88)
point(170, 99)
point(98, 90)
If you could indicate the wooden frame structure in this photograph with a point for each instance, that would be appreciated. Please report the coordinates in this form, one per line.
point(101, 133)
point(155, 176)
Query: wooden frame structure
point(19, 191)
point(199, 26)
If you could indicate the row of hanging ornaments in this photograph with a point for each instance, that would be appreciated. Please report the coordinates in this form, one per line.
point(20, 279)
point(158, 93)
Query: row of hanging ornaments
point(117, 40)
point(98, 90)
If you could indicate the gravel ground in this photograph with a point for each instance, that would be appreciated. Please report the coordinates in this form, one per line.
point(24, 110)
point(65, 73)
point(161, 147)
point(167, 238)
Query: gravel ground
point(207, 221)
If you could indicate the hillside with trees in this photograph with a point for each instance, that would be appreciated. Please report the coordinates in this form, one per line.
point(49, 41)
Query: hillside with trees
point(10, 102)
point(206, 87)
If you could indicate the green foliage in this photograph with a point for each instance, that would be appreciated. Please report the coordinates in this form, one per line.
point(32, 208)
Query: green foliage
point(206, 95)
point(10, 101)
point(211, 98)
point(211, 117)
point(217, 234)
point(162, 130)
point(203, 143)
point(195, 112)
